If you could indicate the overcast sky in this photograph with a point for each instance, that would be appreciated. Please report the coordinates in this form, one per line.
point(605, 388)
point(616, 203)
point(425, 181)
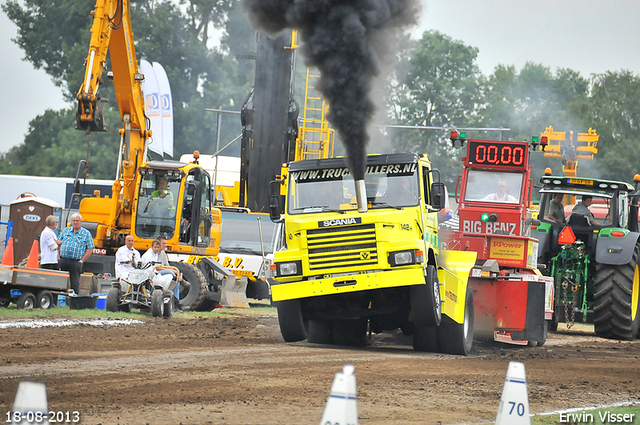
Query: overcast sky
point(589, 36)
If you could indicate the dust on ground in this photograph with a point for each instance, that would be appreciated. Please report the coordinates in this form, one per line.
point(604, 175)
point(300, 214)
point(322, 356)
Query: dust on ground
point(238, 370)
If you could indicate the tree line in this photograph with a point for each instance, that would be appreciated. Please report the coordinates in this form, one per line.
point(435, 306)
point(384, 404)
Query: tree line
point(435, 81)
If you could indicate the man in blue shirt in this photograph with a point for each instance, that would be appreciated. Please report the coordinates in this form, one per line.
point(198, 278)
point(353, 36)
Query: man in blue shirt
point(76, 245)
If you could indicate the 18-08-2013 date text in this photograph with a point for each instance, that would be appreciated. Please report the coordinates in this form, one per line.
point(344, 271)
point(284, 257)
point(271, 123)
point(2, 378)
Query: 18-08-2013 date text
point(40, 417)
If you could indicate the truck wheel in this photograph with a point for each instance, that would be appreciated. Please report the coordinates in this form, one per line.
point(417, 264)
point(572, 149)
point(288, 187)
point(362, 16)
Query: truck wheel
point(27, 301)
point(457, 338)
point(425, 301)
point(351, 332)
point(112, 299)
point(157, 303)
point(616, 296)
point(425, 339)
point(292, 325)
point(193, 295)
point(44, 299)
point(4, 302)
point(319, 332)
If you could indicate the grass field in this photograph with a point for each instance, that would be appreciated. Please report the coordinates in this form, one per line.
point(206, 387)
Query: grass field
point(257, 309)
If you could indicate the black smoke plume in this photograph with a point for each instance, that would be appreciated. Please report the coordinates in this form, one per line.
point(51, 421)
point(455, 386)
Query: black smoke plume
point(344, 40)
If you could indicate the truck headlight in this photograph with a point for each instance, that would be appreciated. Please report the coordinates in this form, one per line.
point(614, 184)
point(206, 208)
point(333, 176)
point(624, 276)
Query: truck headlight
point(289, 269)
point(402, 258)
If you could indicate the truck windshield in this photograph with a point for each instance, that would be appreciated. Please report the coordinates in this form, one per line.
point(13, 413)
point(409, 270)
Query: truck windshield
point(241, 233)
point(389, 185)
point(157, 200)
point(492, 186)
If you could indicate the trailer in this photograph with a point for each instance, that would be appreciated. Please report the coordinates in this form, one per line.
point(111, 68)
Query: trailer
point(31, 288)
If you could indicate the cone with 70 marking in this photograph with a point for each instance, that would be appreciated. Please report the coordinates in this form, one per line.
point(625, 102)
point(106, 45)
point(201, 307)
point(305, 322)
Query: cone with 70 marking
point(514, 404)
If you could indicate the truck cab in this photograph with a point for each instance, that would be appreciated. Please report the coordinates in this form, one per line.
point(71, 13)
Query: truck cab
point(345, 266)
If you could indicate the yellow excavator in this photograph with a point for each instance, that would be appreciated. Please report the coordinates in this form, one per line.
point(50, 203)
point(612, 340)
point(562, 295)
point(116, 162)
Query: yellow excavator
point(149, 198)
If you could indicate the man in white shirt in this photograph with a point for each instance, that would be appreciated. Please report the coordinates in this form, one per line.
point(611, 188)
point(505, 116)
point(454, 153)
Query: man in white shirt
point(48, 246)
point(501, 194)
point(156, 255)
point(126, 256)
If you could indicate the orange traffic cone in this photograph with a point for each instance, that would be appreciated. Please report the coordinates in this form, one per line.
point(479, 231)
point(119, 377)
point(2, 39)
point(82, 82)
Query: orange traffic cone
point(32, 261)
point(7, 258)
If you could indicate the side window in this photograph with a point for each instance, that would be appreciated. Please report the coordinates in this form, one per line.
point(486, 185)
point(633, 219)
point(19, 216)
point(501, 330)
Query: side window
point(623, 210)
point(206, 192)
point(426, 186)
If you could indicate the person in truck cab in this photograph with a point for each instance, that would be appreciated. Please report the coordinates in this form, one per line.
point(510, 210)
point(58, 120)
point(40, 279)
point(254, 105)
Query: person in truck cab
point(400, 192)
point(501, 194)
point(582, 210)
point(164, 193)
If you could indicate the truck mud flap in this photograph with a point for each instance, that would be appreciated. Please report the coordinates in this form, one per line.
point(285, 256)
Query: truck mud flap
point(453, 273)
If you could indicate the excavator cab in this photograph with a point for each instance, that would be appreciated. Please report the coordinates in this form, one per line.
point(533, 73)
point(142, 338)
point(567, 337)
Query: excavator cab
point(174, 201)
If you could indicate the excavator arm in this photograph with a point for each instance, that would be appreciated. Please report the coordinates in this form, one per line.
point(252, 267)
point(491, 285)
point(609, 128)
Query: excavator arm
point(111, 32)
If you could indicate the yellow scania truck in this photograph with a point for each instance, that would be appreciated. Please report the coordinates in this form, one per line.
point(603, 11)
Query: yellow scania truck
point(364, 255)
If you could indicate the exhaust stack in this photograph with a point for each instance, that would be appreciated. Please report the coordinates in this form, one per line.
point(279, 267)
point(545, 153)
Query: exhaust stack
point(361, 196)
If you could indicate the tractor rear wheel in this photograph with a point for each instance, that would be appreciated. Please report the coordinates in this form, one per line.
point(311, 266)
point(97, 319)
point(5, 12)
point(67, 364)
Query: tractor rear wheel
point(457, 338)
point(616, 299)
point(193, 295)
point(292, 324)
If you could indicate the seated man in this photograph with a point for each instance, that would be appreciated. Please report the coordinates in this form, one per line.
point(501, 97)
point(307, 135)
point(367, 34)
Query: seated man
point(127, 256)
point(399, 193)
point(154, 256)
point(163, 194)
point(501, 194)
point(556, 209)
point(582, 209)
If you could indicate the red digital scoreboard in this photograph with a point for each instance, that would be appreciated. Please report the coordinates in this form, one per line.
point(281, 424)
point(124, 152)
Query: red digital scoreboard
point(491, 153)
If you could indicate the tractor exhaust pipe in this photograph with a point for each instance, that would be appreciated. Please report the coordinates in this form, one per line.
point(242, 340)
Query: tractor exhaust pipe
point(361, 196)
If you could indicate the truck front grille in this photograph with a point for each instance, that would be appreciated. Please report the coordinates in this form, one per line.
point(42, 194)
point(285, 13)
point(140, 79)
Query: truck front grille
point(340, 247)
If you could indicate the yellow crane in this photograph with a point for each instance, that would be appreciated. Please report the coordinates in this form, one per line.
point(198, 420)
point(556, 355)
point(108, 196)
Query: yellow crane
point(569, 146)
point(149, 198)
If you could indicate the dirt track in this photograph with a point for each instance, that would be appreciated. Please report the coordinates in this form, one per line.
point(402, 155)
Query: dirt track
point(237, 370)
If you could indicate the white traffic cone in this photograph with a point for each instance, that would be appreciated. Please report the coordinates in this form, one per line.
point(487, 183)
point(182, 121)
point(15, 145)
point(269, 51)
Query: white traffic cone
point(342, 406)
point(514, 404)
point(31, 404)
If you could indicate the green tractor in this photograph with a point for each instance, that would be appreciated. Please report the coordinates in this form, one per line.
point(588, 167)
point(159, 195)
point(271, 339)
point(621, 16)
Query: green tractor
point(589, 242)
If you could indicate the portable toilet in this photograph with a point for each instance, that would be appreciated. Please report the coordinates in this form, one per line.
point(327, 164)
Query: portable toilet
point(28, 215)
